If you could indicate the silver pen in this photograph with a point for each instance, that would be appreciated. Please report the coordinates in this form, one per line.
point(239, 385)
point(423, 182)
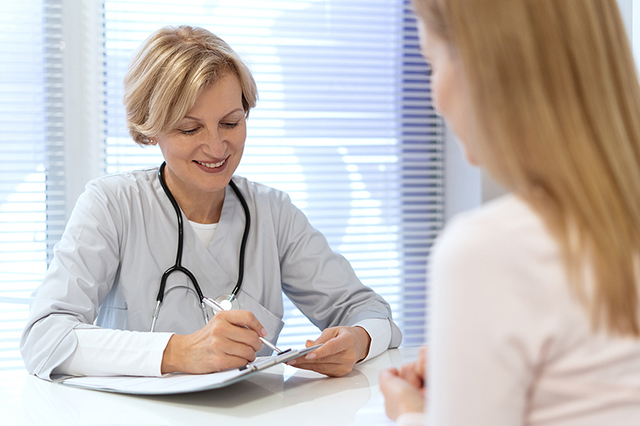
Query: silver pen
point(213, 304)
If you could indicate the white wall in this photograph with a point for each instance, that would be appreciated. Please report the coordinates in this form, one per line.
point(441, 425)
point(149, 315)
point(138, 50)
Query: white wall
point(463, 189)
point(630, 10)
point(626, 9)
point(83, 85)
point(466, 186)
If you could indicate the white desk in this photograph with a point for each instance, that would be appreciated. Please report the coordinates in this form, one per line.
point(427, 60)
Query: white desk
point(279, 396)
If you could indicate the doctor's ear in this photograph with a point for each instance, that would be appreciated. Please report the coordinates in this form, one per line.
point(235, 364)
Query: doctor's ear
point(152, 141)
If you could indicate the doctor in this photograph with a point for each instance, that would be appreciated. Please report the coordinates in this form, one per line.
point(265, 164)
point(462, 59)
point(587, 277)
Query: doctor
point(242, 243)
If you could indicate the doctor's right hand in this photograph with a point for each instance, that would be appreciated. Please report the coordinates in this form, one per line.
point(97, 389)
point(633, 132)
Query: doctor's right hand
point(229, 340)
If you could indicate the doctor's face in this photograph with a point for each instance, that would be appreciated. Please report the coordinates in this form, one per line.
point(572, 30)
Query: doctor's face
point(204, 150)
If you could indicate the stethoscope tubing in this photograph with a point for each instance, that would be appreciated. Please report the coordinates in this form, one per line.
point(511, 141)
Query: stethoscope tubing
point(177, 267)
point(243, 243)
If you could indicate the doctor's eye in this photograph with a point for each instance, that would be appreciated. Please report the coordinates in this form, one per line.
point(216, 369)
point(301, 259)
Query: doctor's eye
point(189, 131)
point(231, 125)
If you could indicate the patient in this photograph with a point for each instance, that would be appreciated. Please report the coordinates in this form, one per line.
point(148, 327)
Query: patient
point(534, 302)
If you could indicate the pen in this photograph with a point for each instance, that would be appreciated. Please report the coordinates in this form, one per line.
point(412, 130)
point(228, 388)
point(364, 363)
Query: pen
point(213, 304)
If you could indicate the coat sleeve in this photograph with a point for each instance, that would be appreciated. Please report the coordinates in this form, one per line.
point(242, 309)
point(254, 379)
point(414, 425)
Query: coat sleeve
point(321, 283)
point(84, 267)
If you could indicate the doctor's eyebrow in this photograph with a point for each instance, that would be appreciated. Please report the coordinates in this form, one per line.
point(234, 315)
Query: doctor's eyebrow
point(227, 115)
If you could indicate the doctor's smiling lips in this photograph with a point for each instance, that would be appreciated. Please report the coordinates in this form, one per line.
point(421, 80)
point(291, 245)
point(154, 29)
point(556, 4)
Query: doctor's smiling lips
point(212, 167)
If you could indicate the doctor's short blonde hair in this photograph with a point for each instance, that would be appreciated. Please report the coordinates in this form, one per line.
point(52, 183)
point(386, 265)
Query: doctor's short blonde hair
point(168, 72)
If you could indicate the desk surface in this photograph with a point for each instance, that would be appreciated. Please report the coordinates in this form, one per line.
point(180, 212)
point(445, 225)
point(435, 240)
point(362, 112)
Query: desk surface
point(282, 395)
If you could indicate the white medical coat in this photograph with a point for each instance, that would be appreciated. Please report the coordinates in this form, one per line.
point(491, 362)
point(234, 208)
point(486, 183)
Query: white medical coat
point(122, 236)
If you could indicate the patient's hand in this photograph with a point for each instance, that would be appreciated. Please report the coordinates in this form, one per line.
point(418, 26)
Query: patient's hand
point(404, 390)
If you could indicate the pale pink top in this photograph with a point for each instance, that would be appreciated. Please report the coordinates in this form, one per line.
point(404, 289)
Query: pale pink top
point(509, 342)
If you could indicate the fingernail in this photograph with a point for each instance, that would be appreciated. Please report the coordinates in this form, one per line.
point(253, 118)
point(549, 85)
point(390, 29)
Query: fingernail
point(310, 356)
point(264, 332)
point(292, 362)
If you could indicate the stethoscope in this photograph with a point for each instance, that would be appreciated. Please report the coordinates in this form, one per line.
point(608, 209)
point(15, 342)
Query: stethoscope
point(226, 301)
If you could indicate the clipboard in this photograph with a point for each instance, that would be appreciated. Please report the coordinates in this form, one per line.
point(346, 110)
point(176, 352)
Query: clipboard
point(176, 383)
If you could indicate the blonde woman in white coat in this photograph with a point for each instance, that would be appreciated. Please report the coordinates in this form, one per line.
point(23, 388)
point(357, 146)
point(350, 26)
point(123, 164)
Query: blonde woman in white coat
point(187, 92)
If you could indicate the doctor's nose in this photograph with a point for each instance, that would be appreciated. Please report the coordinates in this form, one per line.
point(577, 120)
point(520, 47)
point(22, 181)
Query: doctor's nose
point(214, 144)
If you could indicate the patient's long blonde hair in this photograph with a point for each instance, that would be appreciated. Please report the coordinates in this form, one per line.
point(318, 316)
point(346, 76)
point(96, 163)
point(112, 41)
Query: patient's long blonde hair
point(556, 119)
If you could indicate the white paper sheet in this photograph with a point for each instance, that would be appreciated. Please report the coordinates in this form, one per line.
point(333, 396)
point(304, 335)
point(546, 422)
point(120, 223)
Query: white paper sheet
point(180, 382)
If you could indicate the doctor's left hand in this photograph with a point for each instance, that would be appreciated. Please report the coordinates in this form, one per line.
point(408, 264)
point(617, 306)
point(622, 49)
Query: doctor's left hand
point(343, 347)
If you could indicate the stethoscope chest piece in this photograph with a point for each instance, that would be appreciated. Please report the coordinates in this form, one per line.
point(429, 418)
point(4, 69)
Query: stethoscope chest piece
point(228, 302)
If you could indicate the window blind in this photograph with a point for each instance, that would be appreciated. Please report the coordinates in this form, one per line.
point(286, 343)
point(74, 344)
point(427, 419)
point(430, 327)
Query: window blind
point(344, 125)
point(30, 149)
